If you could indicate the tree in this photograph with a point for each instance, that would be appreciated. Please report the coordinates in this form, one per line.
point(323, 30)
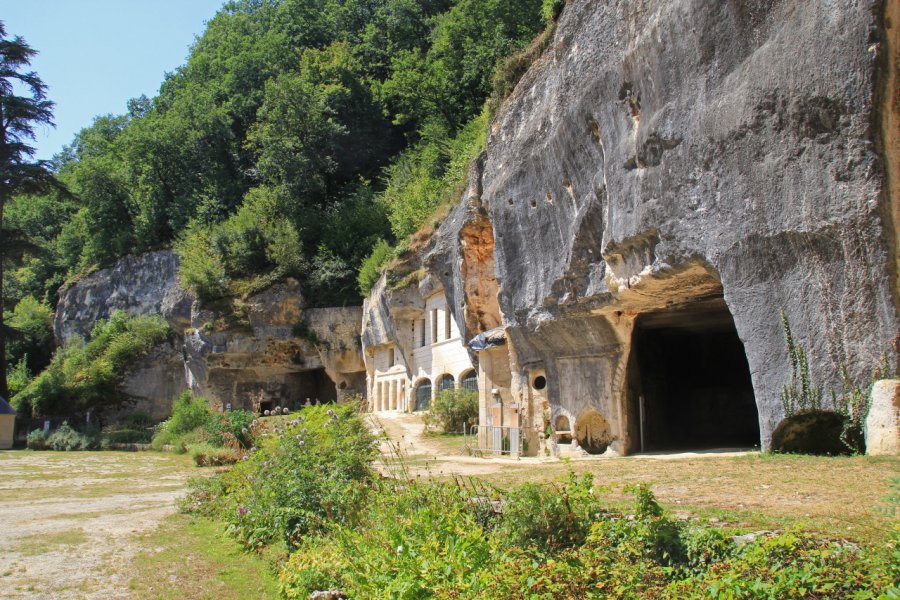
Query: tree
point(19, 115)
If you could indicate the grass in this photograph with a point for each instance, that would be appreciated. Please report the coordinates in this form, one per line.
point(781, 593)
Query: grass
point(40, 543)
point(447, 443)
point(191, 558)
point(835, 496)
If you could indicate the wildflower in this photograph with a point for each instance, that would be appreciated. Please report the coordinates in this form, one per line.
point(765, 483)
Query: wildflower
point(330, 413)
point(242, 510)
point(399, 550)
point(301, 443)
point(245, 457)
point(285, 410)
point(266, 413)
point(245, 431)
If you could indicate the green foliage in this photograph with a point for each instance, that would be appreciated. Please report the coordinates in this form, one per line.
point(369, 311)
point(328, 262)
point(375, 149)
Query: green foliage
point(208, 455)
point(85, 376)
point(37, 440)
point(67, 439)
point(373, 266)
point(18, 377)
point(453, 410)
point(309, 473)
point(549, 518)
point(801, 395)
point(33, 322)
point(431, 174)
point(550, 9)
point(194, 426)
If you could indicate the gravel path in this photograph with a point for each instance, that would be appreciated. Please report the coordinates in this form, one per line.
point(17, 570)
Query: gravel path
point(70, 520)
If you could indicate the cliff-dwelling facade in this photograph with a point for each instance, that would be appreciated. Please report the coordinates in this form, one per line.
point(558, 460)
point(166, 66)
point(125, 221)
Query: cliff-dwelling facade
point(424, 357)
point(645, 212)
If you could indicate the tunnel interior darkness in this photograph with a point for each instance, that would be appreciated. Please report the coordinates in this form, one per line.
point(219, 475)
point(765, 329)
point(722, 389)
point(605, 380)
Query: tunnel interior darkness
point(693, 387)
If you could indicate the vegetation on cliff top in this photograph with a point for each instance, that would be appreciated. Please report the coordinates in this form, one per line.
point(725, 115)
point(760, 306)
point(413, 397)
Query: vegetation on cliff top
point(298, 136)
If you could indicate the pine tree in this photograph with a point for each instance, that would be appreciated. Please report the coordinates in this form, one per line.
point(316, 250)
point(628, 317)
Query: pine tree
point(20, 113)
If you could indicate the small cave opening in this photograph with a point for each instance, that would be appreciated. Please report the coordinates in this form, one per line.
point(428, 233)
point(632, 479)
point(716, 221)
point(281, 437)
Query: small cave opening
point(313, 386)
point(691, 386)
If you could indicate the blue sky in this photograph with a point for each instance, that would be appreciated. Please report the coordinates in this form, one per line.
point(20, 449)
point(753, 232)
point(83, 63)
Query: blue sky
point(96, 54)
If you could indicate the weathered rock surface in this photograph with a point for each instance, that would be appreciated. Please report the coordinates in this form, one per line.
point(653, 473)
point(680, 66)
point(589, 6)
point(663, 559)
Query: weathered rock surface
point(883, 422)
point(667, 154)
point(269, 348)
point(146, 284)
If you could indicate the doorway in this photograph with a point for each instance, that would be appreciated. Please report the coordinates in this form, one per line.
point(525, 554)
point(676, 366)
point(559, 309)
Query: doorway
point(693, 388)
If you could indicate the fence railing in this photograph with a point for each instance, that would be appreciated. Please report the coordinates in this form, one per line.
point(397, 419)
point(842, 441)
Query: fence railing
point(493, 439)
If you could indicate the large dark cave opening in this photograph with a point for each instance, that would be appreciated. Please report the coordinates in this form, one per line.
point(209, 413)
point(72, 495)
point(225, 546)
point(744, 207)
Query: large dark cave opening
point(693, 387)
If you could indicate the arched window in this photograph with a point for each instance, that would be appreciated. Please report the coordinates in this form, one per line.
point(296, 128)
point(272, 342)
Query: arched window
point(423, 394)
point(446, 382)
point(469, 380)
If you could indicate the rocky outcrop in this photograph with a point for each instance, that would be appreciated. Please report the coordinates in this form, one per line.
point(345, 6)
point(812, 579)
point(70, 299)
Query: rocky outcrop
point(667, 179)
point(268, 349)
point(146, 284)
point(272, 351)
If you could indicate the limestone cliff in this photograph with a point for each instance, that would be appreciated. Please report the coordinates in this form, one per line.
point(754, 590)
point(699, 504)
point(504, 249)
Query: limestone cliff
point(663, 182)
point(268, 348)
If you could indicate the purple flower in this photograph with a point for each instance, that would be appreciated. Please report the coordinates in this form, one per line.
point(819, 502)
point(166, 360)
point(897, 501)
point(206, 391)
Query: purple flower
point(242, 510)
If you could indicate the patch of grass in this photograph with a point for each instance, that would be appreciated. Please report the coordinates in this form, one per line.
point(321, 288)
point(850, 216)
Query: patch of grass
point(447, 443)
point(42, 543)
point(191, 558)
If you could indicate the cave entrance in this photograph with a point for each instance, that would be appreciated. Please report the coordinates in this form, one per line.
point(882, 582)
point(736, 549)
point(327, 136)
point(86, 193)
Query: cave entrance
point(314, 385)
point(693, 381)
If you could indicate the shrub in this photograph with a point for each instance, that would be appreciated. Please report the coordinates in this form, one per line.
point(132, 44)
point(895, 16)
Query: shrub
point(307, 474)
point(37, 440)
point(206, 455)
point(549, 517)
point(373, 266)
point(232, 429)
point(85, 376)
point(190, 415)
point(67, 439)
point(453, 410)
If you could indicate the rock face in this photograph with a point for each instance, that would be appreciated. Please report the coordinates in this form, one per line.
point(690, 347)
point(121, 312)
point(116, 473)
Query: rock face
point(883, 422)
point(145, 284)
point(667, 179)
point(272, 351)
point(268, 349)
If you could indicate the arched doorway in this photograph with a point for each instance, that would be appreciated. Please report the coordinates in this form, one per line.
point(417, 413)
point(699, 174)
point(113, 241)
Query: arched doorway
point(423, 394)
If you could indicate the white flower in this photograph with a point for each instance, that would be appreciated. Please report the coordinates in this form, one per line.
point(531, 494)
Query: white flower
point(399, 549)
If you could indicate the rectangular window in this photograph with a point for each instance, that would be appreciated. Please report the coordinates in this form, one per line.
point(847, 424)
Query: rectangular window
point(447, 335)
point(422, 332)
point(434, 326)
point(390, 358)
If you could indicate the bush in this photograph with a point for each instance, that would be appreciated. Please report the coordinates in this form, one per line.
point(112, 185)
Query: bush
point(206, 455)
point(453, 410)
point(373, 266)
point(811, 432)
point(309, 473)
point(37, 440)
point(85, 376)
point(67, 439)
point(549, 518)
point(188, 424)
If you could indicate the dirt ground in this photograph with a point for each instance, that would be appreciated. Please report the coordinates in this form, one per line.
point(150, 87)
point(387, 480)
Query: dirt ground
point(73, 523)
point(70, 521)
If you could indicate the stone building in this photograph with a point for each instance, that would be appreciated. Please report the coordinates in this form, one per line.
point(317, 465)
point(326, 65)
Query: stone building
point(423, 356)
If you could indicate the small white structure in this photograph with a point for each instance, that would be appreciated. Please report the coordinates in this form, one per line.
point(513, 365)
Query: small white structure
point(7, 424)
point(425, 357)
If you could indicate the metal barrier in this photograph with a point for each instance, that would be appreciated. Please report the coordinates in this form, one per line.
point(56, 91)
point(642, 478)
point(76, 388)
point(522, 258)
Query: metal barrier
point(491, 439)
